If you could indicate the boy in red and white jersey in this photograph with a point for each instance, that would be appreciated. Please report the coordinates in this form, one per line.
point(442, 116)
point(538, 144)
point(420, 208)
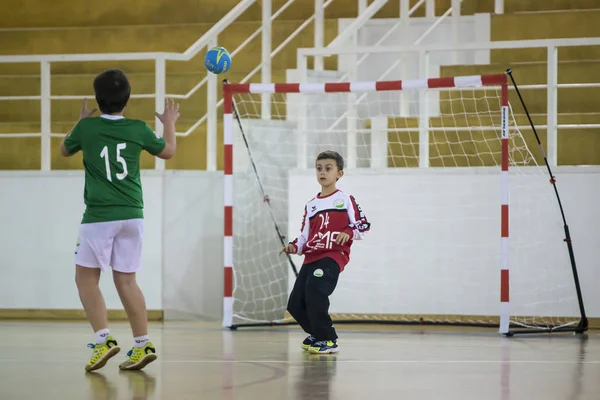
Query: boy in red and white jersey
point(332, 221)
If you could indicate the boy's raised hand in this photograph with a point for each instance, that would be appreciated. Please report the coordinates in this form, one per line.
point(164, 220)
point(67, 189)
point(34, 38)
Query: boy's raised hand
point(84, 113)
point(171, 113)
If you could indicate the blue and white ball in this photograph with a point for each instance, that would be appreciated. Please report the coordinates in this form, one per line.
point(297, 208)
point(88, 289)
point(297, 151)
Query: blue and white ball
point(217, 60)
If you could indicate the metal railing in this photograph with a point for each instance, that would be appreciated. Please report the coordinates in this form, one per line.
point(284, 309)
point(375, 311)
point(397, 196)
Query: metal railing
point(423, 53)
point(403, 21)
point(209, 39)
point(159, 58)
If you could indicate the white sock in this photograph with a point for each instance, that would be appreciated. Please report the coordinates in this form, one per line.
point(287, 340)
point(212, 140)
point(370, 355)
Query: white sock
point(101, 336)
point(140, 341)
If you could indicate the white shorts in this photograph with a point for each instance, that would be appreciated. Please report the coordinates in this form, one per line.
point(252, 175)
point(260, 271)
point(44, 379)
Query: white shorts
point(115, 243)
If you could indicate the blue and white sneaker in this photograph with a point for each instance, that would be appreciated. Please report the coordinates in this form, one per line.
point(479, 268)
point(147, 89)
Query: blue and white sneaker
point(324, 347)
point(309, 341)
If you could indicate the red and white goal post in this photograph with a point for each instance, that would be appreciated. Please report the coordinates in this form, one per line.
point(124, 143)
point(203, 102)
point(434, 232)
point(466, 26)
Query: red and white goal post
point(440, 248)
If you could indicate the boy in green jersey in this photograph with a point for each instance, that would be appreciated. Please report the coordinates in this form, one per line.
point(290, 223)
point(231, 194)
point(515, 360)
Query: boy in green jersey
point(110, 233)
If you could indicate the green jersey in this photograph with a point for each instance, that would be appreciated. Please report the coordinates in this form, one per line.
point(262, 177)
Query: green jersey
point(111, 148)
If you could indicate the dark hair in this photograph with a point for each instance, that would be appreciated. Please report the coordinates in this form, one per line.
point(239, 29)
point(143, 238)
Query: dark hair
point(112, 91)
point(332, 155)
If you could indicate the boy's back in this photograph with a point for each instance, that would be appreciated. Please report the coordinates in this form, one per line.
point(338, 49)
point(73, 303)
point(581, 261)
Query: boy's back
point(111, 233)
point(111, 156)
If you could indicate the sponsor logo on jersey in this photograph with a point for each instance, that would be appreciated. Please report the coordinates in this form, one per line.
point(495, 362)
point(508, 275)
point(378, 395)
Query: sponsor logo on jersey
point(313, 208)
point(339, 203)
point(322, 241)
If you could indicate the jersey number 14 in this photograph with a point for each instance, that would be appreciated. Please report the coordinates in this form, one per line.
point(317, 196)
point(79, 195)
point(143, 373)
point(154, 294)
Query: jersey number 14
point(120, 160)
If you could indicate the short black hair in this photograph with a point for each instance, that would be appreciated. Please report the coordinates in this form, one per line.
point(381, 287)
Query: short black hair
point(332, 155)
point(112, 91)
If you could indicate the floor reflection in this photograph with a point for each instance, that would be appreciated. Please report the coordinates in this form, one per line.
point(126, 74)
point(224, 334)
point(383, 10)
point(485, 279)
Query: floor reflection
point(316, 380)
point(141, 386)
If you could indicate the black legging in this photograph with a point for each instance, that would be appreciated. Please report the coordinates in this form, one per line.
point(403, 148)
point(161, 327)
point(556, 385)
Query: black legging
point(309, 300)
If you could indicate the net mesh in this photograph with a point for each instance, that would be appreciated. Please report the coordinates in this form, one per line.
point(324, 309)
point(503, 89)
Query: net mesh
point(434, 251)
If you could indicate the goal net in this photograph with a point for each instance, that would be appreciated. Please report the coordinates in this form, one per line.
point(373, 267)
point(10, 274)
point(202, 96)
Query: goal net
point(465, 225)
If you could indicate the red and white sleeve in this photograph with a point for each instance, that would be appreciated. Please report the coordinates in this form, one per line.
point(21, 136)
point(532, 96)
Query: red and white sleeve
point(301, 240)
point(359, 225)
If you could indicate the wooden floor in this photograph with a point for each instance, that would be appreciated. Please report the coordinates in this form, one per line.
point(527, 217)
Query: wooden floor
point(201, 361)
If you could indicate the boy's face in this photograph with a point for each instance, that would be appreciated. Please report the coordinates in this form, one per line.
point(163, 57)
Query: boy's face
point(328, 172)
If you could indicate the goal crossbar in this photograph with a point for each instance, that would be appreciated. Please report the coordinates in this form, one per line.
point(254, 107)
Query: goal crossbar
point(472, 81)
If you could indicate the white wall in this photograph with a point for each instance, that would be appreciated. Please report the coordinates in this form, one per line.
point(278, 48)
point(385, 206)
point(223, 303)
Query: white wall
point(192, 278)
point(40, 214)
point(434, 247)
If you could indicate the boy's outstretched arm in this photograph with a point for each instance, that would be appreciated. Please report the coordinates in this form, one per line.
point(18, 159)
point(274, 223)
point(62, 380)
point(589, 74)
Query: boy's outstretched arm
point(84, 113)
point(168, 119)
point(63, 148)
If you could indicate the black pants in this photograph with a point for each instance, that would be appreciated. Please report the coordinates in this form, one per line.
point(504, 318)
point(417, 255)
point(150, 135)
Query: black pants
point(309, 300)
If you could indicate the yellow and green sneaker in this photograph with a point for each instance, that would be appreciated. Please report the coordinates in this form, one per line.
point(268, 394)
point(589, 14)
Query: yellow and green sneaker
point(102, 353)
point(139, 357)
point(324, 347)
point(309, 341)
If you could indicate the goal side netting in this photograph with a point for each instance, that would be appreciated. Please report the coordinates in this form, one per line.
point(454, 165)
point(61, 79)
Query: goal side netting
point(465, 226)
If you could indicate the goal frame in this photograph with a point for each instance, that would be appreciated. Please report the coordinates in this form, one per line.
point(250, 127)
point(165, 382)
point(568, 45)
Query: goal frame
point(475, 81)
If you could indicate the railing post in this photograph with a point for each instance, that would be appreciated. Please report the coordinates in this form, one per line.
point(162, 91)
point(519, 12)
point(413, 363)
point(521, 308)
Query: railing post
point(211, 117)
point(46, 122)
point(405, 19)
point(352, 113)
point(319, 32)
point(351, 125)
point(430, 8)
point(353, 73)
point(266, 57)
point(160, 72)
point(379, 141)
point(552, 106)
point(404, 10)
point(301, 134)
point(423, 112)
point(499, 7)
point(362, 6)
point(455, 27)
point(406, 40)
point(405, 96)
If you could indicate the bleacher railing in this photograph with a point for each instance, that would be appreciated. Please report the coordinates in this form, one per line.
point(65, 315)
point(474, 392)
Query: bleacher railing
point(423, 53)
point(210, 38)
point(159, 58)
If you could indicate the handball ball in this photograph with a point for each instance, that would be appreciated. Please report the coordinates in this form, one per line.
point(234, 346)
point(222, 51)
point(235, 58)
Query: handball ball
point(217, 60)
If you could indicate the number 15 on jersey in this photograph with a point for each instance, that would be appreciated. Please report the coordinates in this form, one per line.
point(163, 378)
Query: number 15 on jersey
point(105, 154)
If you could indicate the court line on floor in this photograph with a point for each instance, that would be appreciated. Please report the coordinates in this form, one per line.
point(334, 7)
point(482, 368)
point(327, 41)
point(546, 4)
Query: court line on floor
point(381, 361)
point(331, 358)
point(418, 330)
